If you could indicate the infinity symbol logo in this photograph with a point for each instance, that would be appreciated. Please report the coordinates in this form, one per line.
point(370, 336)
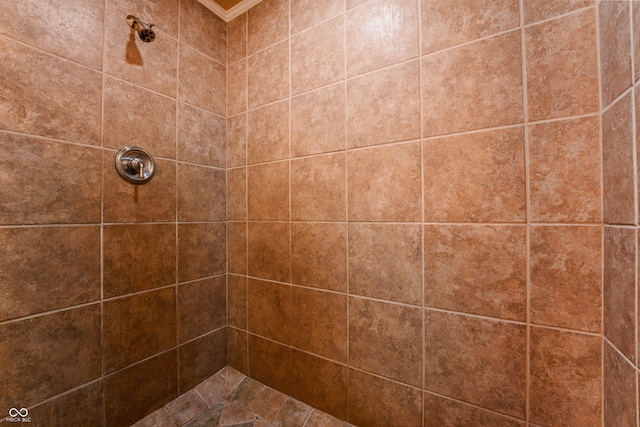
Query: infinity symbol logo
point(22, 412)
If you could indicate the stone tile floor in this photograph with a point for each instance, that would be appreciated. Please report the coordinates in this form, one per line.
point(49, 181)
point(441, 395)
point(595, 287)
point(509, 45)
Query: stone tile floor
point(229, 398)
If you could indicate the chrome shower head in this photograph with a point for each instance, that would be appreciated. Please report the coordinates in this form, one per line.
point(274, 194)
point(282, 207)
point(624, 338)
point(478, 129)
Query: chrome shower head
point(143, 29)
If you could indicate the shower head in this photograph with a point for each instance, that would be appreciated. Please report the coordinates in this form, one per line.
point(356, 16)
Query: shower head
point(143, 29)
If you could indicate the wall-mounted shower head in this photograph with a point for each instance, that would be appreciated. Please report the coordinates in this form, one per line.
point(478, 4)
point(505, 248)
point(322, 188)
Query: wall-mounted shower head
point(143, 29)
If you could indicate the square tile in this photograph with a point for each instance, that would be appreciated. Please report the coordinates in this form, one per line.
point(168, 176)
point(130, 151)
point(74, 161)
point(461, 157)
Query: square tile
point(478, 177)
point(474, 86)
point(479, 361)
point(566, 277)
point(381, 33)
point(561, 84)
point(384, 183)
point(476, 269)
point(395, 331)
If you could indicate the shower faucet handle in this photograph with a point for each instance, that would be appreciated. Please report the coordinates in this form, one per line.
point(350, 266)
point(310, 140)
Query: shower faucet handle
point(135, 164)
point(139, 166)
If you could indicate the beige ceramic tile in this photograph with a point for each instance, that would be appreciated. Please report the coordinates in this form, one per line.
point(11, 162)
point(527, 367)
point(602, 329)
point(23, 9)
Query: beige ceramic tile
point(268, 191)
point(149, 384)
point(539, 10)
point(620, 385)
point(381, 33)
point(378, 402)
point(268, 133)
point(479, 361)
point(201, 193)
point(237, 194)
point(268, 23)
point(615, 49)
point(565, 171)
point(270, 310)
point(203, 30)
point(478, 177)
point(201, 250)
point(237, 350)
point(202, 82)
point(318, 123)
point(384, 183)
point(317, 56)
point(201, 358)
point(64, 409)
point(320, 383)
point(475, 86)
point(354, 3)
point(57, 352)
point(237, 38)
point(237, 88)
point(395, 331)
point(318, 190)
point(559, 84)
point(269, 253)
point(566, 277)
point(384, 106)
point(236, 140)
point(619, 289)
point(439, 412)
point(319, 255)
point(138, 257)
point(34, 87)
point(46, 194)
point(319, 323)
point(138, 117)
point(636, 36)
point(268, 75)
point(67, 259)
point(385, 262)
point(565, 381)
point(237, 300)
point(138, 327)
point(617, 163)
point(237, 247)
point(202, 307)
point(476, 269)
point(152, 65)
point(446, 24)
point(55, 27)
point(201, 136)
point(270, 363)
point(305, 13)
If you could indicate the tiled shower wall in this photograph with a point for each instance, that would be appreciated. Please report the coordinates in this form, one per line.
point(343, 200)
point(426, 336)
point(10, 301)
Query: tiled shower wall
point(620, 81)
point(112, 296)
point(414, 204)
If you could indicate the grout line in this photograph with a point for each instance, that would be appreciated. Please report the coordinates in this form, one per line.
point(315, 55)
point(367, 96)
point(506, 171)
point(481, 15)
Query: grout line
point(177, 198)
point(473, 405)
point(602, 201)
point(525, 112)
point(423, 337)
point(246, 183)
point(343, 81)
point(102, 224)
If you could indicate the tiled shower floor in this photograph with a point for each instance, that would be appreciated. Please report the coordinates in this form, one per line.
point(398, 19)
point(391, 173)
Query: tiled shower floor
point(230, 398)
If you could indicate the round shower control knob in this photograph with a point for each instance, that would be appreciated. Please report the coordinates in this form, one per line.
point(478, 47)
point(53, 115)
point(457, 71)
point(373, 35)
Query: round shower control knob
point(135, 164)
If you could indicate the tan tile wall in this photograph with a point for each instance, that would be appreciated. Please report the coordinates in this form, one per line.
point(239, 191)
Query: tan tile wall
point(415, 203)
point(114, 291)
point(620, 85)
